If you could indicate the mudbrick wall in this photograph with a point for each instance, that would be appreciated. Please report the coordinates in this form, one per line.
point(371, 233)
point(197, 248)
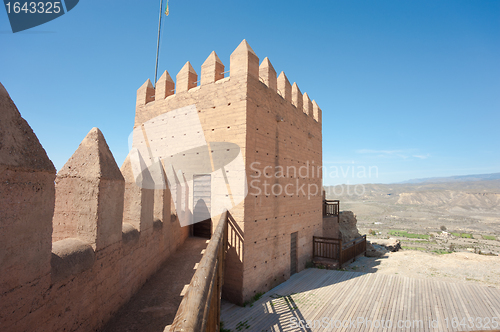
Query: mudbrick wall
point(76, 245)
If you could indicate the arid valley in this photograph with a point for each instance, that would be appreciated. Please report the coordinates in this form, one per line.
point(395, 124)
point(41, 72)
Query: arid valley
point(448, 229)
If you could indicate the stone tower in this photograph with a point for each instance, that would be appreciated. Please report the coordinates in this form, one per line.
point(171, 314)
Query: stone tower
point(276, 132)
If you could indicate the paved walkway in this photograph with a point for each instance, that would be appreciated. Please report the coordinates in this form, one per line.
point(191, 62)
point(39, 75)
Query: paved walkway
point(353, 301)
point(154, 306)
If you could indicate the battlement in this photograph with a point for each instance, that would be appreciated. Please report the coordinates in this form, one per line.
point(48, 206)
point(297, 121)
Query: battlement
point(90, 231)
point(244, 65)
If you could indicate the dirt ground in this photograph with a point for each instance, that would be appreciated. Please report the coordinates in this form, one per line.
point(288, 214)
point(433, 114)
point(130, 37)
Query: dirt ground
point(454, 267)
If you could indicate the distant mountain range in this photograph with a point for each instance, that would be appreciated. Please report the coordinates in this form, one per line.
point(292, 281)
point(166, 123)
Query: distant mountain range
point(457, 178)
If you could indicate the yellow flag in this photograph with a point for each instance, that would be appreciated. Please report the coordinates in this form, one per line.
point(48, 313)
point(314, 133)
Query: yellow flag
point(166, 10)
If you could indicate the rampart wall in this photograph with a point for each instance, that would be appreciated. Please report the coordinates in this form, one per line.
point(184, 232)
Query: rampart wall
point(76, 245)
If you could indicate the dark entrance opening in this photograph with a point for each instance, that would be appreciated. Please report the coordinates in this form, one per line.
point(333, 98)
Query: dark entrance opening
point(201, 209)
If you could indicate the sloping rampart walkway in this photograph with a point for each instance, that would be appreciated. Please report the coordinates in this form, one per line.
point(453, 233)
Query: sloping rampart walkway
point(353, 301)
point(155, 305)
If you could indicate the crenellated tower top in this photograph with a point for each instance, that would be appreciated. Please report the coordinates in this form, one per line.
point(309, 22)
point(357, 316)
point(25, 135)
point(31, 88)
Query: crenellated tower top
point(244, 63)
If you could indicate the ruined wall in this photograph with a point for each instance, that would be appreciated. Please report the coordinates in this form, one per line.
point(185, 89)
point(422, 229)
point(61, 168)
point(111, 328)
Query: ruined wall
point(96, 262)
point(274, 125)
point(348, 229)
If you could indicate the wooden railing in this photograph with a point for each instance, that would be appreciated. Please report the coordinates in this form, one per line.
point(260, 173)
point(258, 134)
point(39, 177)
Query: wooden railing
point(352, 249)
point(200, 307)
point(325, 247)
point(330, 248)
point(331, 207)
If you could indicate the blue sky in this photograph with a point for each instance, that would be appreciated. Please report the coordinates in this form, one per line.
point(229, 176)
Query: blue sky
point(408, 89)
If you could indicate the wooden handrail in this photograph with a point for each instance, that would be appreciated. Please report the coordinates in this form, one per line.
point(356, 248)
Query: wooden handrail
point(353, 249)
point(325, 238)
point(332, 248)
point(200, 307)
point(353, 242)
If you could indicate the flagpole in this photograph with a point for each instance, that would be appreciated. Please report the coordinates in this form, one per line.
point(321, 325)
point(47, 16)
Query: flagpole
point(158, 42)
